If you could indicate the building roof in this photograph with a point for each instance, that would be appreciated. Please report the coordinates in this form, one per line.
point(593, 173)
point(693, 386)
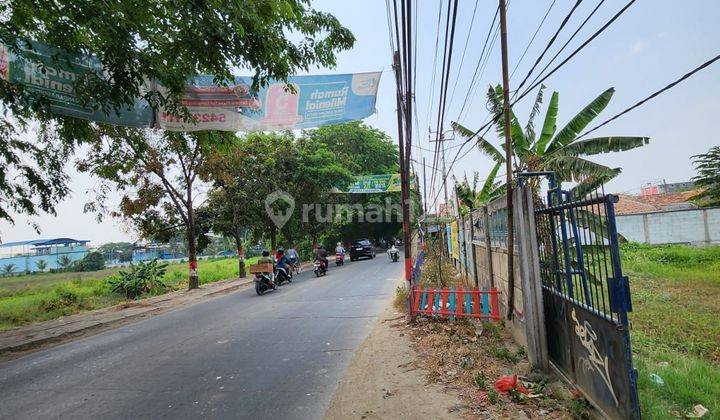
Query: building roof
point(45, 242)
point(630, 204)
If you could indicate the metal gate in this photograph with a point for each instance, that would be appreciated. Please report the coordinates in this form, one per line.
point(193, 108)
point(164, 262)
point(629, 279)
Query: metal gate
point(587, 299)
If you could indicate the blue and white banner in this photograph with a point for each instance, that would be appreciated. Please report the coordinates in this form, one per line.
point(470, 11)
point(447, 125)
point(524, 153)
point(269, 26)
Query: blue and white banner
point(314, 101)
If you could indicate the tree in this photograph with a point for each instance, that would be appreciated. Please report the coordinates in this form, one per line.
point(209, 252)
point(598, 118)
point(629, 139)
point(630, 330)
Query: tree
point(93, 261)
point(707, 166)
point(121, 251)
point(164, 41)
point(159, 175)
point(8, 269)
point(552, 150)
point(470, 197)
point(41, 264)
point(64, 262)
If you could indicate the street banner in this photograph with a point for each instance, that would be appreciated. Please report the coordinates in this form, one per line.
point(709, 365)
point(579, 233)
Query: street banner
point(302, 102)
point(51, 73)
point(311, 101)
point(365, 184)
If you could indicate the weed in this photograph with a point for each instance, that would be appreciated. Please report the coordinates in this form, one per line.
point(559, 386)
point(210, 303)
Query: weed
point(480, 381)
point(493, 396)
point(504, 353)
point(401, 299)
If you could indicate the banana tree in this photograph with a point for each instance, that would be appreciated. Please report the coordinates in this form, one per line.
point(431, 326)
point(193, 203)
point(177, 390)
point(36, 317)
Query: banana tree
point(552, 150)
point(470, 197)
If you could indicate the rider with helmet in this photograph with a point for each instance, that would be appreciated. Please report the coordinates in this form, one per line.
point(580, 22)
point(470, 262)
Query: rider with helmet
point(320, 254)
point(267, 259)
point(283, 262)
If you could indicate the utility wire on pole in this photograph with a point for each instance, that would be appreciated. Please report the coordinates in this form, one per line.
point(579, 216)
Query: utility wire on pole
point(508, 160)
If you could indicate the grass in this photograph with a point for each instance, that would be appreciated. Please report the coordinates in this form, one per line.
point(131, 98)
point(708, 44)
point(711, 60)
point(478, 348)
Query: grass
point(41, 297)
point(675, 327)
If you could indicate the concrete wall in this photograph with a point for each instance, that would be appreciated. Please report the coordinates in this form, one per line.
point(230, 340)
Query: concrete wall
point(694, 226)
point(28, 263)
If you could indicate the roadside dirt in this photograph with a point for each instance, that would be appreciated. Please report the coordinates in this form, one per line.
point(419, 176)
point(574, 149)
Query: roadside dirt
point(383, 382)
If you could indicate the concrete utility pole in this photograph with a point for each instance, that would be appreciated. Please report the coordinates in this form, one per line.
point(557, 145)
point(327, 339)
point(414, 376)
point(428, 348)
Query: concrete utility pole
point(508, 159)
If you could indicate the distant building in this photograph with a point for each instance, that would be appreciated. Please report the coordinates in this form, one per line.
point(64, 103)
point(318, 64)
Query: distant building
point(24, 255)
point(648, 203)
point(155, 251)
point(665, 188)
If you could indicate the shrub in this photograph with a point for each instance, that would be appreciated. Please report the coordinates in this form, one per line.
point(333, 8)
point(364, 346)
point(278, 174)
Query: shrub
point(401, 299)
point(65, 301)
point(93, 261)
point(141, 278)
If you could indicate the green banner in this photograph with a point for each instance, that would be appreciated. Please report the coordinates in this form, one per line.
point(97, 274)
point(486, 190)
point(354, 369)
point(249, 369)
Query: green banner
point(50, 73)
point(365, 184)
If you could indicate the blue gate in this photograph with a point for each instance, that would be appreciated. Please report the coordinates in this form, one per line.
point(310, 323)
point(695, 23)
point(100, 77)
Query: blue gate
point(586, 298)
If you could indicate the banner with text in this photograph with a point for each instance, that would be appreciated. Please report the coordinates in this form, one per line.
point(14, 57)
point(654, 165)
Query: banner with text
point(365, 184)
point(312, 101)
point(51, 74)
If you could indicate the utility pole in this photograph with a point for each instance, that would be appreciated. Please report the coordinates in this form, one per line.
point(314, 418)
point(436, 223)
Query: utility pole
point(508, 159)
point(425, 213)
point(404, 174)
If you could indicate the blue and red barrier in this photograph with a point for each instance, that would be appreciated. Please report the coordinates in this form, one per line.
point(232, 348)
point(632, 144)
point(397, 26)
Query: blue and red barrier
point(457, 303)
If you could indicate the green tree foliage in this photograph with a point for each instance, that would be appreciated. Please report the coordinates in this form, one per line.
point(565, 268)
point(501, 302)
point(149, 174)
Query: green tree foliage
point(163, 40)
point(93, 261)
point(707, 166)
point(121, 251)
point(41, 264)
point(159, 174)
point(553, 150)
point(8, 269)
point(64, 262)
point(469, 195)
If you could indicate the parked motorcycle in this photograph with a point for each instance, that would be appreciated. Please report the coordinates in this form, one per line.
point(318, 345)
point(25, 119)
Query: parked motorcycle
point(263, 283)
point(339, 258)
point(319, 268)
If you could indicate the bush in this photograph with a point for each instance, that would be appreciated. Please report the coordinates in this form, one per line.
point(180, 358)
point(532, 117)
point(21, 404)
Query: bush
point(93, 261)
point(141, 278)
point(65, 301)
point(401, 298)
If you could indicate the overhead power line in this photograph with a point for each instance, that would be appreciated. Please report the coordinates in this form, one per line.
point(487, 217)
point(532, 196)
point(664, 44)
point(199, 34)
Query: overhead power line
point(549, 44)
point(577, 50)
point(668, 87)
point(532, 39)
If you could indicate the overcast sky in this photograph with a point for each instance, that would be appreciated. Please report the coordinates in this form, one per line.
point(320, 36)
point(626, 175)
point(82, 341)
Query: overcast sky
point(652, 44)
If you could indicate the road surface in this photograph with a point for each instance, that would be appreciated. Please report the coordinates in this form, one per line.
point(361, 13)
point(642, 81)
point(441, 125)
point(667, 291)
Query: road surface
point(277, 356)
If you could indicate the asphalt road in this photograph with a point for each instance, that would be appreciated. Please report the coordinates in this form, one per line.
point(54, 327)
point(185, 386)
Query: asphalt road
point(277, 356)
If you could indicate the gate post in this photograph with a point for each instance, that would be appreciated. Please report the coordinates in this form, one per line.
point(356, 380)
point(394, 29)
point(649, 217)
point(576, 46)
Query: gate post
point(530, 280)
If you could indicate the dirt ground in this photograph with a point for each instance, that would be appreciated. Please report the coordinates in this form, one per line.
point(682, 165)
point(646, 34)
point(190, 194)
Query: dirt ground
point(445, 370)
point(384, 382)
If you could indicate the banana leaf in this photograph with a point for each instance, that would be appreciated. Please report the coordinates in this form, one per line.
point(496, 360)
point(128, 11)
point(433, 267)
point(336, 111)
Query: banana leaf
point(599, 145)
point(591, 183)
point(581, 120)
point(530, 127)
point(484, 145)
point(572, 168)
point(549, 126)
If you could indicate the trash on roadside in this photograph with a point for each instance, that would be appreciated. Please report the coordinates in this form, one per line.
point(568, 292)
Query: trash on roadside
point(509, 382)
point(663, 365)
point(697, 412)
point(657, 379)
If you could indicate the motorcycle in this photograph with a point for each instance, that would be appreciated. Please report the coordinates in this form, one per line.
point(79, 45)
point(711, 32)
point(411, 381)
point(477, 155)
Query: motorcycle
point(339, 258)
point(282, 275)
point(319, 268)
point(263, 283)
point(393, 255)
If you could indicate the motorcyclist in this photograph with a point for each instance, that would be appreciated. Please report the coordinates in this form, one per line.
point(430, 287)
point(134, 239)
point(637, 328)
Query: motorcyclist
point(339, 249)
point(392, 250)
point(320, 254)
point(293, 255)
point(283, 262)
point(267, 259)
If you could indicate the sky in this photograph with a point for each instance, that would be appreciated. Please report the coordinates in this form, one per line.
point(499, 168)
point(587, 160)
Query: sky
point(651, 45)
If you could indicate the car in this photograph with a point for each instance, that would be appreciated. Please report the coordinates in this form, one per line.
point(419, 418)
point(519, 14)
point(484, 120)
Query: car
point(361, 248)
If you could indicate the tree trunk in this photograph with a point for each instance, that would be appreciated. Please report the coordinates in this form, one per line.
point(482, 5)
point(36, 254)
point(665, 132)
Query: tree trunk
point(193, 282)
point(273, 238)
point(241, 255)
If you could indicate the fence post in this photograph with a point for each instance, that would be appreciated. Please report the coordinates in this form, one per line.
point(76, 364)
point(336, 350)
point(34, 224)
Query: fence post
point(472, 249)
point(530, 281)
point(491, 274)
